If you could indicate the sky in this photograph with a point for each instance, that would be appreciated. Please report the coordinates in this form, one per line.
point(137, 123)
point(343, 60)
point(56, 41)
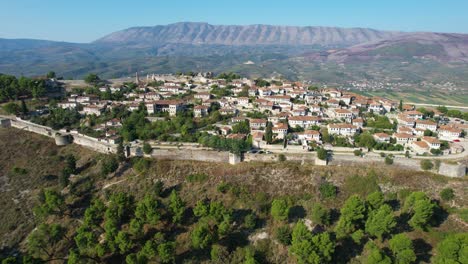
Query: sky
point(88, 20)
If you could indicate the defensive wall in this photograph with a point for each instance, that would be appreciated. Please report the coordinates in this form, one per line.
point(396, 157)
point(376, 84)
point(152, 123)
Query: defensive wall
point(191, 153)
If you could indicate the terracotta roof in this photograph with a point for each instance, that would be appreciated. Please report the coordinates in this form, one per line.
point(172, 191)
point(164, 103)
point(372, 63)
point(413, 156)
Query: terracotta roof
point(402, 135)
point(421, 144)
point(381, 135)
point(431, 140)
point(305, 118)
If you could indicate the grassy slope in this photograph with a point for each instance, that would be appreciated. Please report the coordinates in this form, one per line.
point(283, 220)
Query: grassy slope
point(42, 162)
point(255, 184)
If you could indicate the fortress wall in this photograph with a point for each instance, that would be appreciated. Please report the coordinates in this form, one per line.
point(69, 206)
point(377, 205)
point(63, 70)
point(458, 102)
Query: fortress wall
point(450, 170)
point(186, 154)
point(93, 143)
point(32, 127)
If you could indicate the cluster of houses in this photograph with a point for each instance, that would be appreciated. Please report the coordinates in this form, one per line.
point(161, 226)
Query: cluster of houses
point(296, 113)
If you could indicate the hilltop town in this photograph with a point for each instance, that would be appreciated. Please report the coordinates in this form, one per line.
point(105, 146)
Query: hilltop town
point(237, 114)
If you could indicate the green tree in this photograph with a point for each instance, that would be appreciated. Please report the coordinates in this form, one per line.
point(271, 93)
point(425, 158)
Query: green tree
point(250, 221)
point(269, 133)
point(24, 108)
point(402, 249)
point(52, 203)
point(176, 206)
point(374, 255)
point(283, 235)
point(308, 248)
point(109, 164)
point(41, 241)
point(51, 75)
point(375, 200)
point(453, 249)
point(147, 149)
point(381, 221)
point(219, 254)
point(120, 152)
point(322, 154)
point(320, 214)
point(242, 127)
point(352, 216)
point(280, 209)
point(148, 210)
point(202, 235)
point(92, 78)
point(11, 108)
point(366, 140)
point(166, 252)
point(123, 242)
point(420, 207)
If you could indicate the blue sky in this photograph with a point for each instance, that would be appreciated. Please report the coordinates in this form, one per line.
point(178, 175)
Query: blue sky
point(87, 20)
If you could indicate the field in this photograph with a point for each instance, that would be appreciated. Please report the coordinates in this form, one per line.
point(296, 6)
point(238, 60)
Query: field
point(433, 97)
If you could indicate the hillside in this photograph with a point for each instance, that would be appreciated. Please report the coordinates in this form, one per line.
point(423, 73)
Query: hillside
point(242, 194)
point(206, 34)
point(440, 47)
point(328, 55)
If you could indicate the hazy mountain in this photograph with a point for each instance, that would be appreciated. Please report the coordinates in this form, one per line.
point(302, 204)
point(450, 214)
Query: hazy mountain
point(323, 54)
point(204, 33)
point(441, 47)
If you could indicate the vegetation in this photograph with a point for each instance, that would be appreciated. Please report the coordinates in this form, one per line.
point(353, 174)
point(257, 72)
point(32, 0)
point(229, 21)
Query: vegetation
point(188, 212)
point(12, 88)
point(426, 165)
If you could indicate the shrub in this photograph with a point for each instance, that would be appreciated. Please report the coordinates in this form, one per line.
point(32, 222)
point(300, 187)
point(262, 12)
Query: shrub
point(250, 221)
point(328, 190)
point(223, 187)
point(283, 235)
point(388, 160)
point(463, 213)
point(281, 157)
point(109, 165)
point(426, 165)
point(197, 177)
point(322, 154)
point(358, 152)
point(141, 165)
point(362, 185)
point(19, 171)
point(320, 215)
point(382, 154)
point(447, 194)
point(147, 149)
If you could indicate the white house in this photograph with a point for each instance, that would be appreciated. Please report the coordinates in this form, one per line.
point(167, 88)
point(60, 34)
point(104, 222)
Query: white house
point(342, 129)
point(449, 133)
point(200, 110)
point(426, 124)
point(304, 121)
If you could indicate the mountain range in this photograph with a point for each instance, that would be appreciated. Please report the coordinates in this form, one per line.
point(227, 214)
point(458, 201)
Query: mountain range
point(319, 54)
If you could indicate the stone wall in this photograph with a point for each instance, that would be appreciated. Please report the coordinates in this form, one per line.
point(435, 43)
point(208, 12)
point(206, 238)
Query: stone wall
point(187, 154)
point(452, 170)
point(79, 139)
